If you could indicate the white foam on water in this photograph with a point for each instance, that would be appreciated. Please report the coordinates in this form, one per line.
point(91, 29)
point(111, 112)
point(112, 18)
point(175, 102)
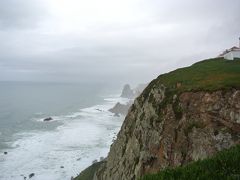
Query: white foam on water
point(84, 136)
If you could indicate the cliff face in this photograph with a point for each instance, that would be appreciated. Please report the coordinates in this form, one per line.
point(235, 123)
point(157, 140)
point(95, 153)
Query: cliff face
point(164, 129)
point(182, 116)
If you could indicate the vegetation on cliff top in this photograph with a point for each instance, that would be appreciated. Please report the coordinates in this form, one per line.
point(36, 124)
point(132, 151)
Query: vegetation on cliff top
point(224, 165)
point(208, 75)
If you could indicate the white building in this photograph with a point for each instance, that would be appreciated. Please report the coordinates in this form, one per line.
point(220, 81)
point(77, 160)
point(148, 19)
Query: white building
point(231, 53)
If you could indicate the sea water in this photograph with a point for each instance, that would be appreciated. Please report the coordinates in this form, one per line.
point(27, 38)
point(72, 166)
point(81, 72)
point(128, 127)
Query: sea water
point(81, 131)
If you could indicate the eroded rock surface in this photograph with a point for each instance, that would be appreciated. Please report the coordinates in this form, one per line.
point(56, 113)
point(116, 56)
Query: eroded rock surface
point(164, 129)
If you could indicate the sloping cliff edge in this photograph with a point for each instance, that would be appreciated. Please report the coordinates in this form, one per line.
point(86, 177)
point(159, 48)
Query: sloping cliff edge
point(182, 116)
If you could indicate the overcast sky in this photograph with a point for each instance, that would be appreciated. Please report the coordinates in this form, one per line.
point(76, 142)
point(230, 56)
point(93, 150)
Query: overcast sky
point(111, 40)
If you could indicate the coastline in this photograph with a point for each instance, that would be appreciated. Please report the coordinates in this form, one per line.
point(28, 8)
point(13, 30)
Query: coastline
point(59, 154)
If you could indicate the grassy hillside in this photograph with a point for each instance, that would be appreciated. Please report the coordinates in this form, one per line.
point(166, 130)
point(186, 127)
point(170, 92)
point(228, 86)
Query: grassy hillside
point(224, 165)
point(211, 74)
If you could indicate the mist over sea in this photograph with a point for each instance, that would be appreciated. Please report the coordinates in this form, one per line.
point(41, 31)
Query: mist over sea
point(81, 131)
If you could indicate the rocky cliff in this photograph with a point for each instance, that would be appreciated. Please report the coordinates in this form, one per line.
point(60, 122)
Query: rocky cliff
point(158, 134)
point(183, 116)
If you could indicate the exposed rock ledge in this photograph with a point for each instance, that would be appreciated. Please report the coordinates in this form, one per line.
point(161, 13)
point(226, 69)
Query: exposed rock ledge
point(164, 130)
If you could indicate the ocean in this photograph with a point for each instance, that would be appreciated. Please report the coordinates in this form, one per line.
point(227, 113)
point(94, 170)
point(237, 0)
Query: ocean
point(81, 131)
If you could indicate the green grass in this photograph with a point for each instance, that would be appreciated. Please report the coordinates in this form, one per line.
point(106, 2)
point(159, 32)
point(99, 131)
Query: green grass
point(224, 165)
point(208, 75)
point(88, 173)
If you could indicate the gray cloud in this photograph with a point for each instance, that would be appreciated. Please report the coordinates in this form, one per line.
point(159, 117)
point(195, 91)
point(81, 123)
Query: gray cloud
point(35, 45)
point(20, 13)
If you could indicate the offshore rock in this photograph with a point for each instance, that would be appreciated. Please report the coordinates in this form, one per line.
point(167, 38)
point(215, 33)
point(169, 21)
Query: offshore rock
point(120, 108)
point(48, 119)
point(127, 92)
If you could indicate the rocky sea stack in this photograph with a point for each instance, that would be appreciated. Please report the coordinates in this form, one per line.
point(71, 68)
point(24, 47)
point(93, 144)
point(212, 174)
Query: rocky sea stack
point(182, 116)
point(127, 92)
point(120, 108)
